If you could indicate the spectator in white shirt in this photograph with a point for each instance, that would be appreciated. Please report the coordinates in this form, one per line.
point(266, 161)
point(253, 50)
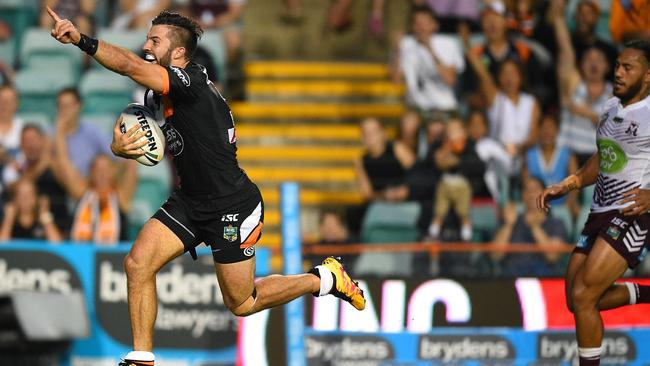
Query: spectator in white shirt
point(430, 63)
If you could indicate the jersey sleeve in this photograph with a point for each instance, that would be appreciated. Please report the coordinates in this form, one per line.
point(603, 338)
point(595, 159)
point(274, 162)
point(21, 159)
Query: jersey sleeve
point(182, 83)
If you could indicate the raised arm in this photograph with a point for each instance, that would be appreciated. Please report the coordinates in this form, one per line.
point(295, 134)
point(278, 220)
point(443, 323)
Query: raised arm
point(116, 59)
point(568, 74)
point(65, 172)
point(488, 86)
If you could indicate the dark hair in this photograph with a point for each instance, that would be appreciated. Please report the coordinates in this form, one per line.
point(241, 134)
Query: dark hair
point(184, 32)
point(32, 126)
point(425, 9)
point(8, 86)
point(478, 111)
point(70, 90)
point(641, 45)
point(521, 69)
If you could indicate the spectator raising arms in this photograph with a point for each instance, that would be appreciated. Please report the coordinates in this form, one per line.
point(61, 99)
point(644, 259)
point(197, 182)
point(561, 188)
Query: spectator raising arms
point(498, 48)
point(27, 216)
point(430, 63)
point(583, 92)
point(381, 171)
point(511, 111)
point(584, 34)
point(100, 215)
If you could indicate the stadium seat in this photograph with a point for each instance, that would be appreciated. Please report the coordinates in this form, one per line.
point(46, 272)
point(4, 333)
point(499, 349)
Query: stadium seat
point(484, 221)
point(388, 223)
point(105, 92)
point(130, 39)
point(19, 15)
point(38, 90)
point(104, 122)
point(154, 184)
point(40, 51)
point(212, 41)
point(7, 54)
point(159, 174)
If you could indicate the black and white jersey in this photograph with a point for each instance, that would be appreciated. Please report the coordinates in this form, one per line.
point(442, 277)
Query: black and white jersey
point(199, 131)
point(623, 139)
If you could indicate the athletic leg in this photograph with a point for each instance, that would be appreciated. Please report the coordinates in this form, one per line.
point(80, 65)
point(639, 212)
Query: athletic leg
point(615, 296)
point(237, 284)
point(600, 269)
point(154, 247)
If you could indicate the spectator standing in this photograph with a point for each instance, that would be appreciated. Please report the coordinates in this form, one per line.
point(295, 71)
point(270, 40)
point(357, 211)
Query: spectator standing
point(459, 163)
point(584, 34)
point(583, 91)
point(83, 141)
point(499, 48)
point(28, 216)
point(511, 111)
point(430, 63)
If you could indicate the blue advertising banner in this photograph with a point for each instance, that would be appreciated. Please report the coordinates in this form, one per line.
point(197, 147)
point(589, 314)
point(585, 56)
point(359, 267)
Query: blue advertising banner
point(193, 328)
point(470, 347)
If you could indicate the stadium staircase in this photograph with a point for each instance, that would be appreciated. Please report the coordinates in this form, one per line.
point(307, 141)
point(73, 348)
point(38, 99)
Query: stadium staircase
point(300, 123)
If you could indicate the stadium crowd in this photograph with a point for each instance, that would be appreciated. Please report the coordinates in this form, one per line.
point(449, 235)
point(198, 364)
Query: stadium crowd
point(502, 97)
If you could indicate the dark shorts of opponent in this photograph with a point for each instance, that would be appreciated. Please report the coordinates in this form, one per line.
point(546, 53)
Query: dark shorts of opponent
point(628, 235)
point(230, 225)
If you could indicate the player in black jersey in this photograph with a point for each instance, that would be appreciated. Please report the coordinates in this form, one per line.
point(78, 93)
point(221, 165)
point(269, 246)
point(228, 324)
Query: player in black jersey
point(215, 204)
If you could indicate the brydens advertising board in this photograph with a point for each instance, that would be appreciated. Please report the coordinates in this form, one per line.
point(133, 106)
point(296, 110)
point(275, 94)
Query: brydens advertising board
point(406, 322)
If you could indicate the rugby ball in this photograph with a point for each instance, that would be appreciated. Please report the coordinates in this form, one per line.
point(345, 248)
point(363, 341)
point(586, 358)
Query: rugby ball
point(154, 150)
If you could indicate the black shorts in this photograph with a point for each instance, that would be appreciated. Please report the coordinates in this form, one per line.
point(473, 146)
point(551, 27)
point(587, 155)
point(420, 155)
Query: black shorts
point(230, 225)
point(626, 234)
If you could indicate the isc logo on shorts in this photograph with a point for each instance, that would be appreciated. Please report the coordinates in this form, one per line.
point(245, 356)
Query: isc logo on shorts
point(229, 217)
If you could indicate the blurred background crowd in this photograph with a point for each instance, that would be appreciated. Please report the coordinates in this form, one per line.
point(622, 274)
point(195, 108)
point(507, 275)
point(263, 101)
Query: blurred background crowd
point(404, 120)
